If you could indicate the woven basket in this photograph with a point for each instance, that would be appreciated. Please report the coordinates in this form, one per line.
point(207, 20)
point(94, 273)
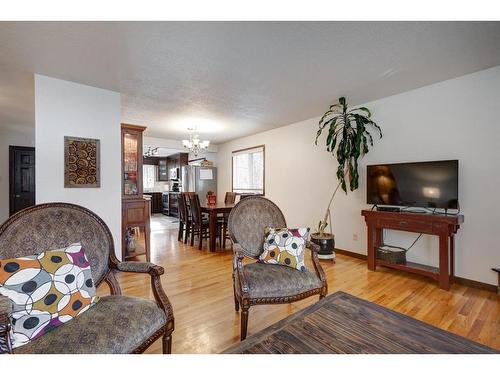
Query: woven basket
point(393, 255)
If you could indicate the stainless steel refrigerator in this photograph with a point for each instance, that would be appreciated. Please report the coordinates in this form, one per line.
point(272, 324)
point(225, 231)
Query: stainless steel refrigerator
point(200, 180)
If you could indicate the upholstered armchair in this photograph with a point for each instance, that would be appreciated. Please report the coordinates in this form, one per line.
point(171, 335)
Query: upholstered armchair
point(259, 283)
point(117, 323)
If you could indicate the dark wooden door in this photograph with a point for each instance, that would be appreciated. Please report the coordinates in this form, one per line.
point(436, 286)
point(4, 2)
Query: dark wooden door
point(21, 178)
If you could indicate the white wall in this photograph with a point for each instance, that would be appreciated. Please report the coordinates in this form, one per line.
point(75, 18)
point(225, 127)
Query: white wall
point(11, 136)
point(68, 109)
point(455, 119)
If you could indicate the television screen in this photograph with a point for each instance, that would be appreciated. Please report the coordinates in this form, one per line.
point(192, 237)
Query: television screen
point(432, 184)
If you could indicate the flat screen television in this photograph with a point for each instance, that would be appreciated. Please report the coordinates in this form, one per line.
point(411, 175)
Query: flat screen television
point(432, 184)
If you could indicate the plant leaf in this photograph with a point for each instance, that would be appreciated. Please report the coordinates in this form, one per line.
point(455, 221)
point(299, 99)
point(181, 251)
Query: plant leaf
point(363, 109)
point(349, 137)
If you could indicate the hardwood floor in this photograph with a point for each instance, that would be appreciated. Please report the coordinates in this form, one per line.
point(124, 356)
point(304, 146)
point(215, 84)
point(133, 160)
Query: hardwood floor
point(199, 286)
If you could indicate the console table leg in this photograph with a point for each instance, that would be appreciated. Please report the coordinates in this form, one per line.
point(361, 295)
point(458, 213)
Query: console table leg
point(444, 262)
point(452, 258)
point(371, 248)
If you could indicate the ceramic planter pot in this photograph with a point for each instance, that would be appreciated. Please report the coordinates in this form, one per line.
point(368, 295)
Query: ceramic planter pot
point(327, 244)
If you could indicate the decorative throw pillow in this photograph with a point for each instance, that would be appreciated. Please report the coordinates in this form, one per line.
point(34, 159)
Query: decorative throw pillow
point(285, 246)
point(47, 290)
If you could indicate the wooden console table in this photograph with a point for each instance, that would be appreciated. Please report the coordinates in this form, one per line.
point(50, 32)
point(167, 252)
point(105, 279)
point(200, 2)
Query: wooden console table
point(444, 226)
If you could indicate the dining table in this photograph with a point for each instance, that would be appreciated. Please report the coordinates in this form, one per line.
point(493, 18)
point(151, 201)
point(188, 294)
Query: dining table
point(213, 210)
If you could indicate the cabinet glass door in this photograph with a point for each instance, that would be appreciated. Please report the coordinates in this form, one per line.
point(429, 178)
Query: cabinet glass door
point(162, 170)
point(130, 164)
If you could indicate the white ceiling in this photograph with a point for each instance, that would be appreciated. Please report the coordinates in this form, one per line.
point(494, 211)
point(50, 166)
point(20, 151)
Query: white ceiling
point(236, 78)
point(17, 100)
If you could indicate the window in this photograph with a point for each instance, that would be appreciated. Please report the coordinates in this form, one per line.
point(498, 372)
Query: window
point(248, 170)
point(148, 172)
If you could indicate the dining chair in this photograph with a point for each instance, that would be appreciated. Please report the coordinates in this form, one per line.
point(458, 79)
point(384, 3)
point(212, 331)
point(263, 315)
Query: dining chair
point(243, 196)
point(184, 220)
point(229, 198)
point(189, 216)
point(199, 225)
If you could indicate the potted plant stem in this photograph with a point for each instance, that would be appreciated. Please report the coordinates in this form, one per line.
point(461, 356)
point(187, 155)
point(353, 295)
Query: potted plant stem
point(347, 140)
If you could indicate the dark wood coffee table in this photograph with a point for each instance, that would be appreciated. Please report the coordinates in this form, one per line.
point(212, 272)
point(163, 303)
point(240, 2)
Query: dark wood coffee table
point(344, 324)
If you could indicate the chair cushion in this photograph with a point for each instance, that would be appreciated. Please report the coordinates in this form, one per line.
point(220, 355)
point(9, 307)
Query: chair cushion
point(274, 280)
point(285, 246)
point(47, 290)
point(117, 324)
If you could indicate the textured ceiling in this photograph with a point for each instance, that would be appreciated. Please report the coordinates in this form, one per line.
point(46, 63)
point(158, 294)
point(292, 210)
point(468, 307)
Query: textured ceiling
point(236, 78)
point(17, 101)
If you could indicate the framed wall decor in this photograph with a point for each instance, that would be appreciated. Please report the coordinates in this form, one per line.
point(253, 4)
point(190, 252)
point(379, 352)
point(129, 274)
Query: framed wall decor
point(81, 163)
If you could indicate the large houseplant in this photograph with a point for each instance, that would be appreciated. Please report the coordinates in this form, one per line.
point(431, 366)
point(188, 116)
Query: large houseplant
point(348, 139)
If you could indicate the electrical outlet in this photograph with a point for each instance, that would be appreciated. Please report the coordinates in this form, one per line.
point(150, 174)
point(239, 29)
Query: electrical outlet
point(354, 237)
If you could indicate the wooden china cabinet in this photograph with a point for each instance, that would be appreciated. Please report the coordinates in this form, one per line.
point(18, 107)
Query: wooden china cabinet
point(135, 208)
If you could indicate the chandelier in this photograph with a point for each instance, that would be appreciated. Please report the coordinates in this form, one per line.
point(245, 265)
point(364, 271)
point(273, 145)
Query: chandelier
point(194, 145)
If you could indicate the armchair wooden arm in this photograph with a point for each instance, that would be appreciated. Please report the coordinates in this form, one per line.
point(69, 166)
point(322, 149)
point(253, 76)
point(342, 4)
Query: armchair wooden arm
point(5, 316)
point(238, 274)
point(315, 248)
point(155, 272)
point(138, 267)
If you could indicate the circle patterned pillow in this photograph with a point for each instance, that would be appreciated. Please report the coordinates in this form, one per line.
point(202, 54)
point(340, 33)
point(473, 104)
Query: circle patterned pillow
point(46, 290)
point(285, 246)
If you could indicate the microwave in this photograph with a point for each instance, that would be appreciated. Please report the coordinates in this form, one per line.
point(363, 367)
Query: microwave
point(174, 173)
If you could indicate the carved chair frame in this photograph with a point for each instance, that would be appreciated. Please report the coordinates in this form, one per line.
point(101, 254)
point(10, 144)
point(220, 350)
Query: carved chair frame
point(114, 266)
point(240, 285)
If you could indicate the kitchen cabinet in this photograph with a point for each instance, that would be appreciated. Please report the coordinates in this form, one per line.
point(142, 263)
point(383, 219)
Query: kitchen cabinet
point(177, 161)
point(150, 161)
point(156, 202)
point(163, 169)
point(170, 162)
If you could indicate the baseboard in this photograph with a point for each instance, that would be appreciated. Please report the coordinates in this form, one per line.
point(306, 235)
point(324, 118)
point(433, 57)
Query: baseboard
point(475, 284)
point(351, 254)
point(456, 279)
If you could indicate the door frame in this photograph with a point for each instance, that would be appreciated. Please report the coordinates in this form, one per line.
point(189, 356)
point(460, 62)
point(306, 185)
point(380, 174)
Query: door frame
point(12, 149)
